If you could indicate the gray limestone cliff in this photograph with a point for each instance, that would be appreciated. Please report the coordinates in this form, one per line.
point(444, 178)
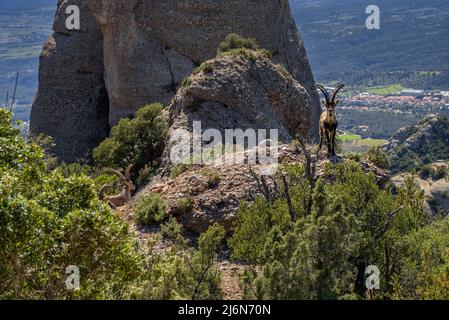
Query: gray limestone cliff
point(131, 53)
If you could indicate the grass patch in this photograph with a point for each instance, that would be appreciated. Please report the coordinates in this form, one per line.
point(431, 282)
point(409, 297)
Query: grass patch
point(348, 137)
point(234, 41)
point(360, 146)
point(214, 177)
point(238, 46)
point(179, 169)
point(386, 90)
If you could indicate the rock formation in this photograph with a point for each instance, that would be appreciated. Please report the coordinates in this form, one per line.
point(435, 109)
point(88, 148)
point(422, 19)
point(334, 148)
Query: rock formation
point(236, 92)
point(423, 143)
point(414, 137)
point(72, 102)
point(130, 53)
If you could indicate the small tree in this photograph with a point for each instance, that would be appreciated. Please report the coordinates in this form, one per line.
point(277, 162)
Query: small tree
point(138, 141)
point(182, 272)
point(378, 157)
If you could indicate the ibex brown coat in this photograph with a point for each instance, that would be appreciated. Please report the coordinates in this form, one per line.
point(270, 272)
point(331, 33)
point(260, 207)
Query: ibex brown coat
point(127, 188)
point(328, 119)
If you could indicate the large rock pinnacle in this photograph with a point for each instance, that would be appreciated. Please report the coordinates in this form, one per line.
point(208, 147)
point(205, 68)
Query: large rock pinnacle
point(132, 52)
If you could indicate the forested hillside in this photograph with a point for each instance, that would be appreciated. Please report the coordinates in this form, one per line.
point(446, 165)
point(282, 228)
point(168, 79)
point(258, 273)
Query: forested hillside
point(403, 51)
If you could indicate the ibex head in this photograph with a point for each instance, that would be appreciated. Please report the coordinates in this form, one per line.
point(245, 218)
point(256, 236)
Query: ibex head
point(330, 102)
point(126, 178)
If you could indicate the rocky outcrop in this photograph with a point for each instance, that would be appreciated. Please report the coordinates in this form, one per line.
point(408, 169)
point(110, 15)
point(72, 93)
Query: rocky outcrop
point(414, 137)
point(241, 90)
point(237, 92)
point(138, 51)
point(423, 143)
point(423, 148)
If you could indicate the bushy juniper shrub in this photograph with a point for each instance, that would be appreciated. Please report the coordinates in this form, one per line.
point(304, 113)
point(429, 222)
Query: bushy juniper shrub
point(235, 45)
point(150, 209)
point(139, 141)
point(206, 67)
point(324, 252)
point(378, 157)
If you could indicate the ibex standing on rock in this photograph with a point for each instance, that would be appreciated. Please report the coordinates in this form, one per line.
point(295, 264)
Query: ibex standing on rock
point(127, 188)
point(328, 119)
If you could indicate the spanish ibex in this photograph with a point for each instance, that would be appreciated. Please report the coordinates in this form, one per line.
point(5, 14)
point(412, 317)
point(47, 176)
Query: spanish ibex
point(127, 188)
point(328, 119)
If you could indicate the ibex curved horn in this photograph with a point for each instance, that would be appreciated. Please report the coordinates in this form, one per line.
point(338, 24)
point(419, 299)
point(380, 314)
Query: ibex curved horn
point(116, 172)
point(128, 171)
point(337, 90)
point(324, 91)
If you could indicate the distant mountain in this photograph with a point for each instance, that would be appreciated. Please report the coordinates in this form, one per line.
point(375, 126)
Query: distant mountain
point(415, 147)
point(411, 48)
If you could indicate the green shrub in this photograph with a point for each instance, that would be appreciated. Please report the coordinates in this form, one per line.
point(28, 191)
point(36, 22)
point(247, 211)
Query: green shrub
point(179, 169)
point(182, 272)
point(138, 141)
point(252, 228)
point(206, 67)
point(214, 177)
point(183, 206)
point(150, 209)
point(323, 254)
point(234, 41)
point(426, 252)
point(378, 157)
point(235, 45)
point(50, 220)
